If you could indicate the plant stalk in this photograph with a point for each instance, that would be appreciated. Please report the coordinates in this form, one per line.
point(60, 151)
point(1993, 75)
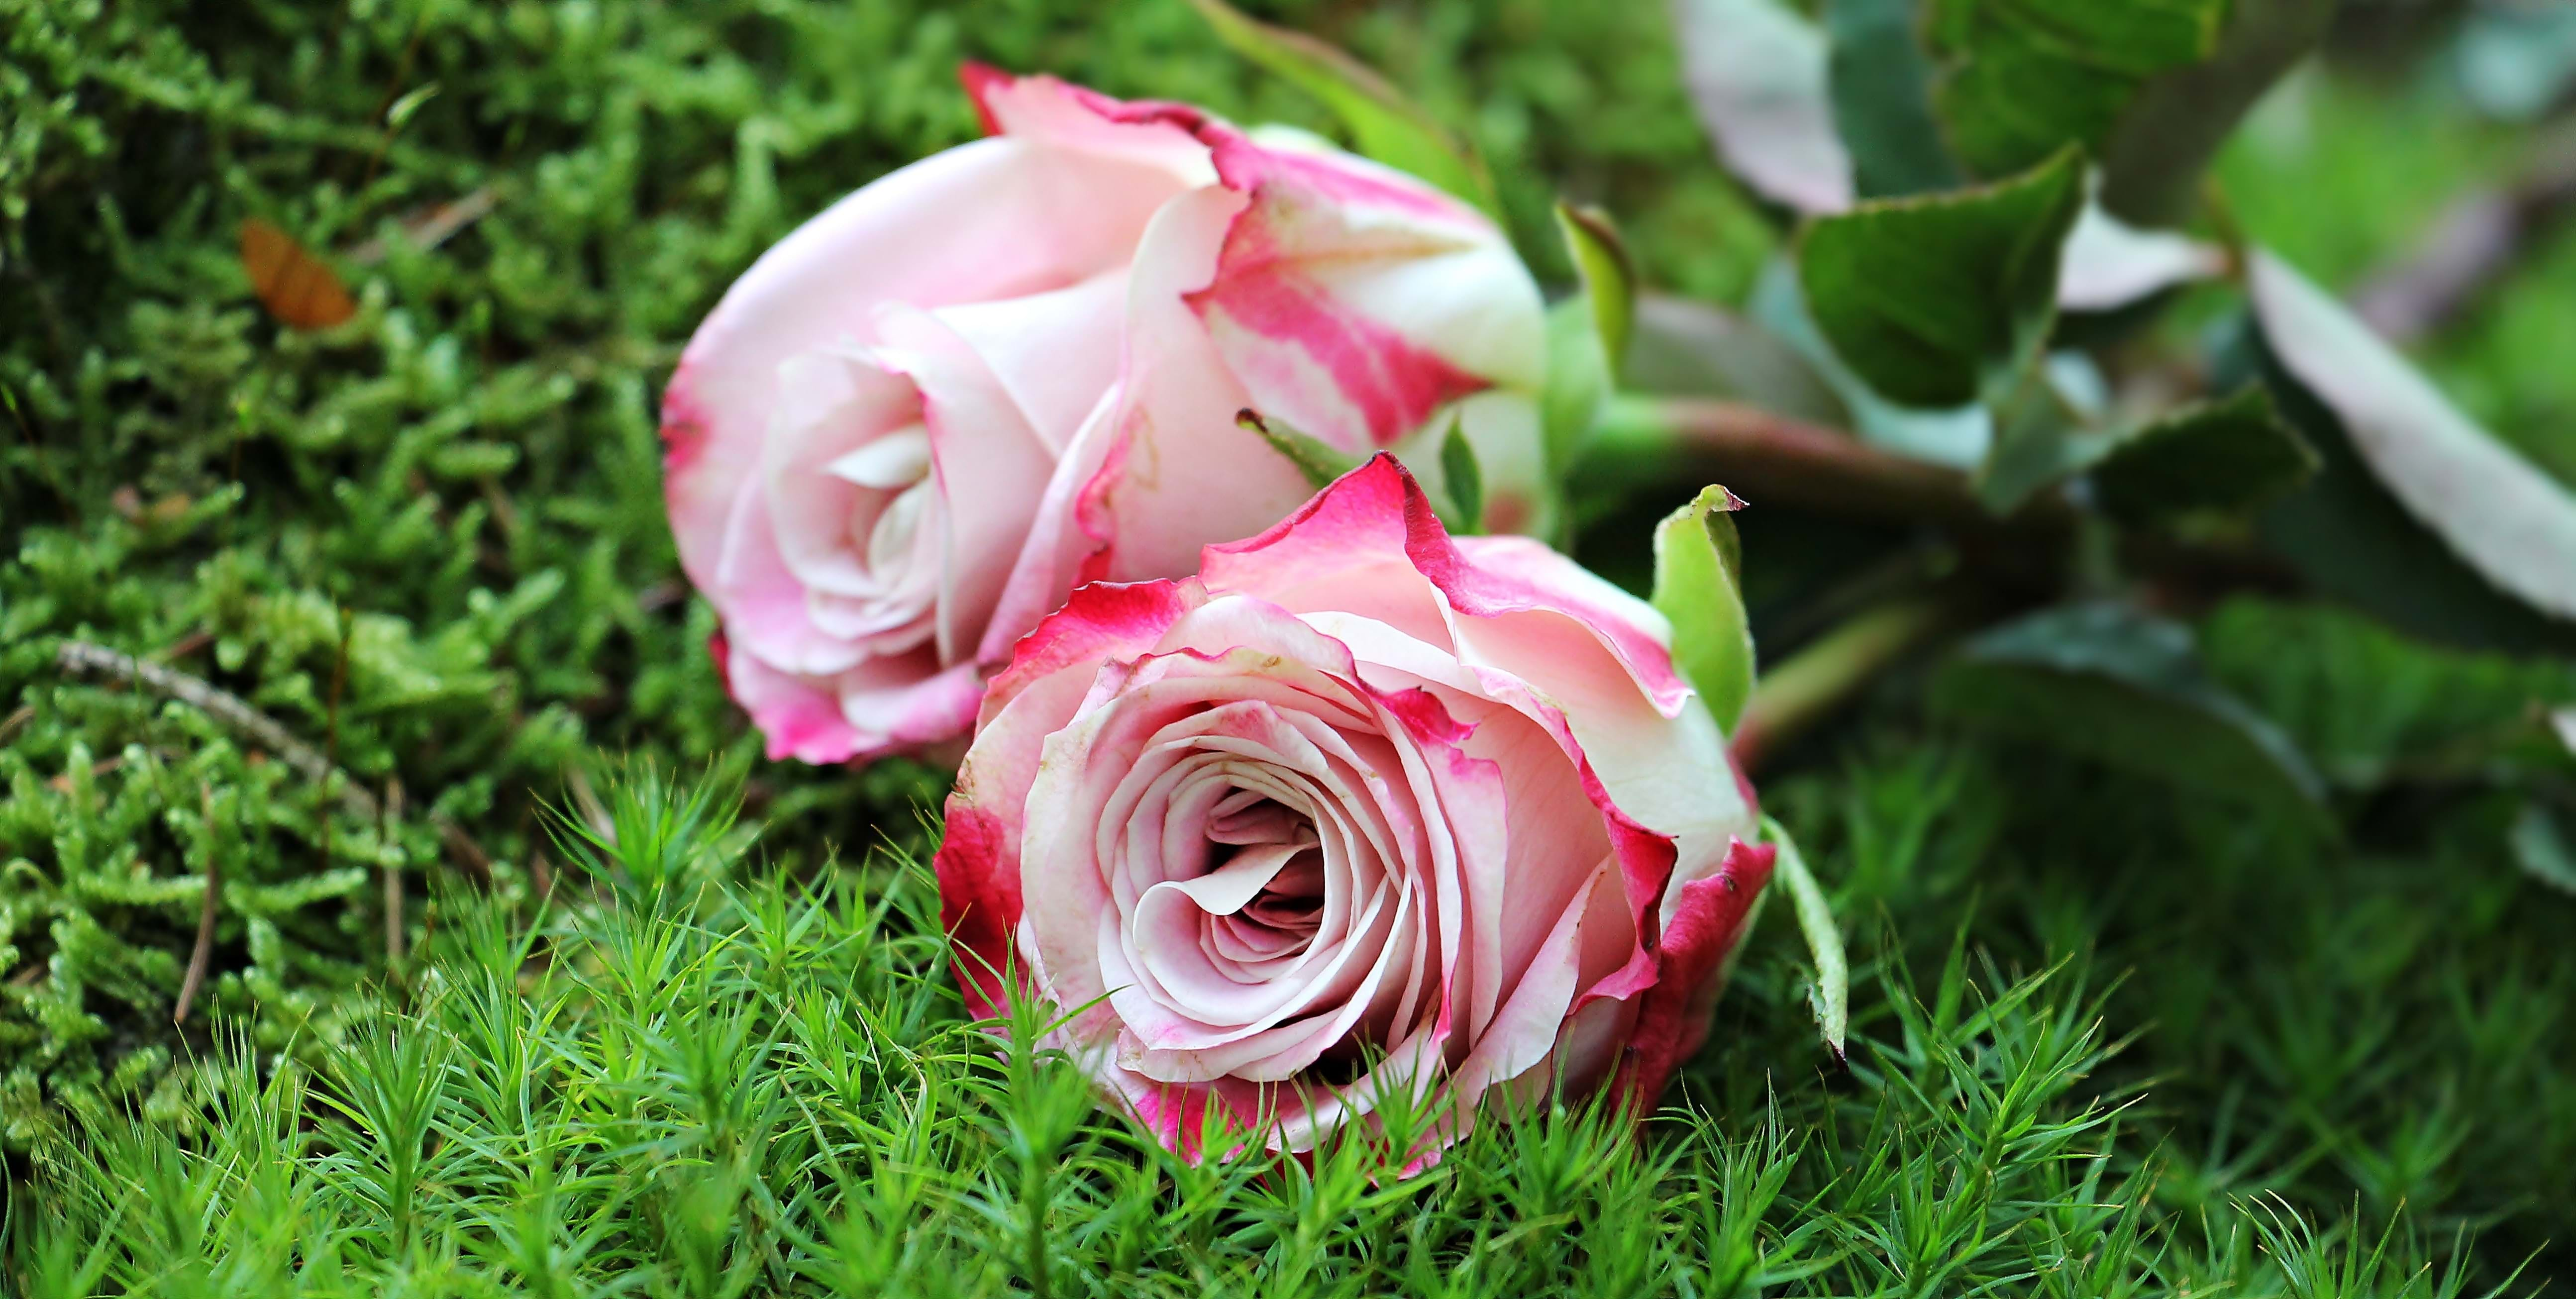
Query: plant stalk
point(1763, 456)
point(2153, 162)
point(1792, 697)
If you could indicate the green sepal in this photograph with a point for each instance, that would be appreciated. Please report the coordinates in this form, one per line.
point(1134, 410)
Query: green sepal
point(1699, 589)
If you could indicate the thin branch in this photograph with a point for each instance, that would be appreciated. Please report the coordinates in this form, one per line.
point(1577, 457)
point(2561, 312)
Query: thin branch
point(204, 952)
point(76, 656)
point(393, 805)
point(222, 705)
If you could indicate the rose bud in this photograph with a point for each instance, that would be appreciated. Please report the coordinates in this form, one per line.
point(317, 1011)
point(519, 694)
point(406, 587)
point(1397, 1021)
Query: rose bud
point(1359, 810)
point(921, 419)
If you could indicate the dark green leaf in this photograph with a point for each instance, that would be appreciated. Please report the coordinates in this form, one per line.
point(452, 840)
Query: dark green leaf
point(2022, 79)
point(1958, 436)
point(2128, 690)
point(1880, 82)
point(1699, 565)
point(2225, 455)
point(2372, 707)
point(1462, 479)
point(1319, 461)
point(1384, 123)
point(1935, 301)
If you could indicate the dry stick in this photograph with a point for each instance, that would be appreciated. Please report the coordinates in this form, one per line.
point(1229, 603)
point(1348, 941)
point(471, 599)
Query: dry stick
point(2473, 244)
point(226, 707)
point(393, 806)
point(205, 949)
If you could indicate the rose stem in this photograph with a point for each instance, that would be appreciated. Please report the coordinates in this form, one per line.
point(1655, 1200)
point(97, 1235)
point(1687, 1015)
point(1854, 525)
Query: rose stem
point(1765, 456)
point(1805, 688)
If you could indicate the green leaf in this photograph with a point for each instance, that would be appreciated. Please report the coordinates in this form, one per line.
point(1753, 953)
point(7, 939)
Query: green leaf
point(1880, 83)
point(2225, 455)
point(1831, 996)
point(1958, 437)
point(1321, 462)
point(1936, 301)
point(2128, 690)
point(1609, 277)
point(2022, 79)
point(1462, 477)
point(1755, 70)
point(1699, 588)
point(1385, 124)
point(2496, 511)
point(2371, 707)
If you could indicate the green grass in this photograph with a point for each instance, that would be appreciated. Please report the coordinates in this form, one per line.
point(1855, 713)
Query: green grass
point(2108, 1039)
point(696, 1078)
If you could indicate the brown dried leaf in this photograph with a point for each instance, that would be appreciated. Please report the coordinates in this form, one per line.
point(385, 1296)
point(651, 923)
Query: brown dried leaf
point(297, 287)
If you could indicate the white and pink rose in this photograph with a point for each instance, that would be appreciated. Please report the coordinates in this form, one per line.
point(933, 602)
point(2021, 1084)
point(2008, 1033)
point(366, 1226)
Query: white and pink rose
point(1360, 810)
point(923, 418)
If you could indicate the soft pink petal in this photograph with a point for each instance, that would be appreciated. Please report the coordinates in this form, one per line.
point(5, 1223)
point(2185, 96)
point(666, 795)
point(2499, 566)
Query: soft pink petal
point(995, 218)
point(992, 469)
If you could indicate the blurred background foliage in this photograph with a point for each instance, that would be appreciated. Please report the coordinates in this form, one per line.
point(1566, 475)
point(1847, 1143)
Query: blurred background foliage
point(427, 544)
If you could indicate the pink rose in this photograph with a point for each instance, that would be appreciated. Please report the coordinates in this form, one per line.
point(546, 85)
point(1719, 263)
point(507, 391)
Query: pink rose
point(921, 419)
point(1359, 807)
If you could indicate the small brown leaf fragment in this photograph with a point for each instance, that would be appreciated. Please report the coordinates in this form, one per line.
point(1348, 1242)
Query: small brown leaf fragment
point(297, 287)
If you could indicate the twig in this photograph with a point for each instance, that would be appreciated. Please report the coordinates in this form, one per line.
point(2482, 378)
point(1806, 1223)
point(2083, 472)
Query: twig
point(10, 724)
point(435, 228)
point(392, 868)
point(224, 706)
point(2473, 244)
point(331, 721)
point(205, 949)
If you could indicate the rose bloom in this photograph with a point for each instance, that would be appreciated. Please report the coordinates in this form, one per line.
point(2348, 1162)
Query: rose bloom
point(922, 418)
point(1359, 810)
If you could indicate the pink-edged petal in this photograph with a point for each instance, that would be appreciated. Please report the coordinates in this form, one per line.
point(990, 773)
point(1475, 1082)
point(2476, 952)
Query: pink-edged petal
point(898, 708)
point(979, 901)
point(1174, 471)
point(1672, 1020)
point(1489, 577)
point(1043, 109)
point(1344, 550)
point(1355, 301)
